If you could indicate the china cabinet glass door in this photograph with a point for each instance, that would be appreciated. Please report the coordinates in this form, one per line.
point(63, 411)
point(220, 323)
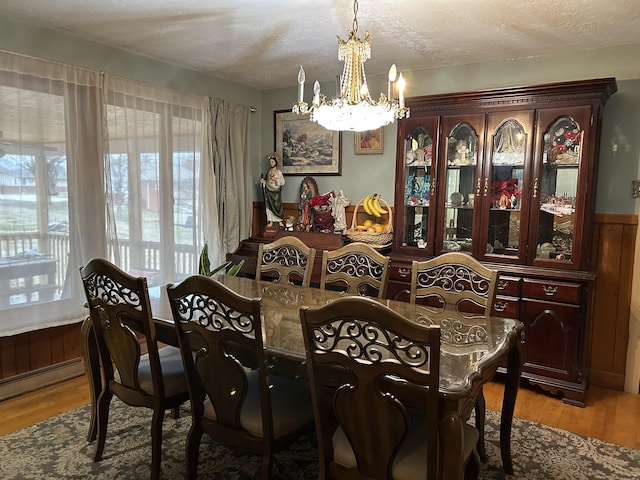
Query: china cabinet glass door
point(559, 187)
point(462, 163)
point(416, 193)
point(505, 187)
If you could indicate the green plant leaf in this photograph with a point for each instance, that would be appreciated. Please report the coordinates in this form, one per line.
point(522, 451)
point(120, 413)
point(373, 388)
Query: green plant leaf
point(233, 271)
point(204, 267)
point(222, 266)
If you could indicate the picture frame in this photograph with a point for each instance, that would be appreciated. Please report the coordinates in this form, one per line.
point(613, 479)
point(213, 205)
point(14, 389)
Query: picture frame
point(306, 148)
point(368, 142)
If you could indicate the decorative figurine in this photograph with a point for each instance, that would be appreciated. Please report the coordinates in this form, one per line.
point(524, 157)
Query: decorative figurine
point(272, 184)
point(338, 206)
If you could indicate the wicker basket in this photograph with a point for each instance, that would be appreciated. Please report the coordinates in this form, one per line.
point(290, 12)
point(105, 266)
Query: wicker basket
point(377, 239)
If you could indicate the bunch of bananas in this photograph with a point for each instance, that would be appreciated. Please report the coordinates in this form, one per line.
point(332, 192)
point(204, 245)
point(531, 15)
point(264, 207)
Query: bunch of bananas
point(371, 205)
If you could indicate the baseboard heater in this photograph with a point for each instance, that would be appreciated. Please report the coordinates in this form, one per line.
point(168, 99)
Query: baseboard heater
point(42, 377)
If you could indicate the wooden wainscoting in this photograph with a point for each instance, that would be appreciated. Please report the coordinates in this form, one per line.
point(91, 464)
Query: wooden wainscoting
point(613, 248)
point(37, 358)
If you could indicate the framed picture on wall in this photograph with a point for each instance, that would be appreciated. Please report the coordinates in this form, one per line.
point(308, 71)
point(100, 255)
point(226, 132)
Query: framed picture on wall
point(306, 147)
point(369, 141)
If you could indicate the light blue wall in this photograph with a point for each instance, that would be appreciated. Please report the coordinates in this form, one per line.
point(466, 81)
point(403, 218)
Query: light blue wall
point(365, 174)
point(621, 127)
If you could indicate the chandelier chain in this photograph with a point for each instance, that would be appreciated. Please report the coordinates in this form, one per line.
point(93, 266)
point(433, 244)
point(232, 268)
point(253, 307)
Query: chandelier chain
point(355, 16)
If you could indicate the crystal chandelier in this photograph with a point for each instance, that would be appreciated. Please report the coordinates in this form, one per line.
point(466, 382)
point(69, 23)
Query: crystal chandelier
point(354, 109)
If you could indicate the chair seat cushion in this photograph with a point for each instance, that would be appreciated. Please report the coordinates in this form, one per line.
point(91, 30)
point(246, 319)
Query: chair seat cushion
point(174, 377)
point(412, 457)
point(290, 405)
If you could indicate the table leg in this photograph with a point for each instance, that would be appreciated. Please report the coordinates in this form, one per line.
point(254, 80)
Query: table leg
point(451, 446)
point(512, 382)
point(94, 377)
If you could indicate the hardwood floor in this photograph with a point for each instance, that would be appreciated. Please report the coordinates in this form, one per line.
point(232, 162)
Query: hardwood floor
point(609, 415)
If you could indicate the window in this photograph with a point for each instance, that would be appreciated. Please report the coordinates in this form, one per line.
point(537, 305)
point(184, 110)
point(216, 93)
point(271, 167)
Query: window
point(91, 165)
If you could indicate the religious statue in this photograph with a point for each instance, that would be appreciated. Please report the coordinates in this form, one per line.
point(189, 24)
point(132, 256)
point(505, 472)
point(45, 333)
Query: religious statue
point(338, 206)
point(272, 184)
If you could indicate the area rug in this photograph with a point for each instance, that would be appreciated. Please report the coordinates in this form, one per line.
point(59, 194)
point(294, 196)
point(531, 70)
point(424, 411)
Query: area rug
point(57, 449)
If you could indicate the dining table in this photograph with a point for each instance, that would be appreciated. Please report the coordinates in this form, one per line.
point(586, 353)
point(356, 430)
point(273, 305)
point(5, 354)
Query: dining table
point(473, 348)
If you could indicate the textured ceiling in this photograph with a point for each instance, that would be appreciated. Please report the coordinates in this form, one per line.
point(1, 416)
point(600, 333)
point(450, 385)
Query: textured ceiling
point(261, 43)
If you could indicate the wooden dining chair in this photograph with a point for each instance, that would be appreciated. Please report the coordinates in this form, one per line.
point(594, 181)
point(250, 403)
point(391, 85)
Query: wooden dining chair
point(457, 280)
point(235, 399)
point(454, 280)
point(286, 259)
point(356, 268)
point(121, 317)
point(374, 380)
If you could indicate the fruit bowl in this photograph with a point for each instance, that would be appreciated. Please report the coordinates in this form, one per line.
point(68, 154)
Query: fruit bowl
point(377, 233)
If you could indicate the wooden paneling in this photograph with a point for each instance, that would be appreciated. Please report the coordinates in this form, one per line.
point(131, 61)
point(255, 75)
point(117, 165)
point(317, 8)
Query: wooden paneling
point(37, 349)
point(7, 357)
point(614, 239)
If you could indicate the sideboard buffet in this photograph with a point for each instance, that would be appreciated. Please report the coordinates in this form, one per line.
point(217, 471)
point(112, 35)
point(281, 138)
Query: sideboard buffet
point(508, 176)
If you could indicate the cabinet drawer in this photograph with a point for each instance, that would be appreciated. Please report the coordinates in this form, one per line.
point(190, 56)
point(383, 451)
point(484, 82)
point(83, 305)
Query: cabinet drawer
point(399, 271)
point(549, 290)
point(509, 286)
point(508, 307)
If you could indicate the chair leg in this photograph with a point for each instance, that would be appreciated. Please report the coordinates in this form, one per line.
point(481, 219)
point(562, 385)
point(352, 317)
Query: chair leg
point(192, 451)
point(472, 469)
point(480, 411)
point(156, 442)
point(265, 467)
point(94, 376)
point(104, 400)
point(175, 412)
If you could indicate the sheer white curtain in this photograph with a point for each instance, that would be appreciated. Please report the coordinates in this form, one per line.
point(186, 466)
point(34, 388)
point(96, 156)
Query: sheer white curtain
point(94, 165)
point(156, 140)
point(51, 150)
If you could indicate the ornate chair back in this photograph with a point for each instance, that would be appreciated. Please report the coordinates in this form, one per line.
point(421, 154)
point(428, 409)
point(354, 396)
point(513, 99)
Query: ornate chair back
point(356, 268)
point(120, 312)
point(454, 279)
point(234, 398)
point(374, 380)
point(286, 259)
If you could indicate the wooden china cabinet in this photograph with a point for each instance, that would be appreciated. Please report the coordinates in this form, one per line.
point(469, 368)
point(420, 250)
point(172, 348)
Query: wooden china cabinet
point(508, 176)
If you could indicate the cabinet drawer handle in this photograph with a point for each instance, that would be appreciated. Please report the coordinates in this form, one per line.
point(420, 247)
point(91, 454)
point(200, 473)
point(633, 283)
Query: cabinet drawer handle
point(404, 272)
point(486, 186)
point(478, 183)
point(502, 284)
point(549, 290)
point(501, 306)
point(433, 185)
point(535, 187)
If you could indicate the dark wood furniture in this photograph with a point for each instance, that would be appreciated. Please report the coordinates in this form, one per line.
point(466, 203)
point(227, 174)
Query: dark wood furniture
point(456, 281)
point(356, 268)
point(360, 354)
point(466, 362)
point(120, 311)
point(286, 259)
point(508, 177)
point(234, 397)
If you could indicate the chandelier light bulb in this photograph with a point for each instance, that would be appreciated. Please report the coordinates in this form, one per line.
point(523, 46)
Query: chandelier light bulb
point(392, 78)
point(301, 79)
point(401, 85)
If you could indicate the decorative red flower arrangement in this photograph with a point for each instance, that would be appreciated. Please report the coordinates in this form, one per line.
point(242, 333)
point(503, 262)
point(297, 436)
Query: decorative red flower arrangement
point(321, 200)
